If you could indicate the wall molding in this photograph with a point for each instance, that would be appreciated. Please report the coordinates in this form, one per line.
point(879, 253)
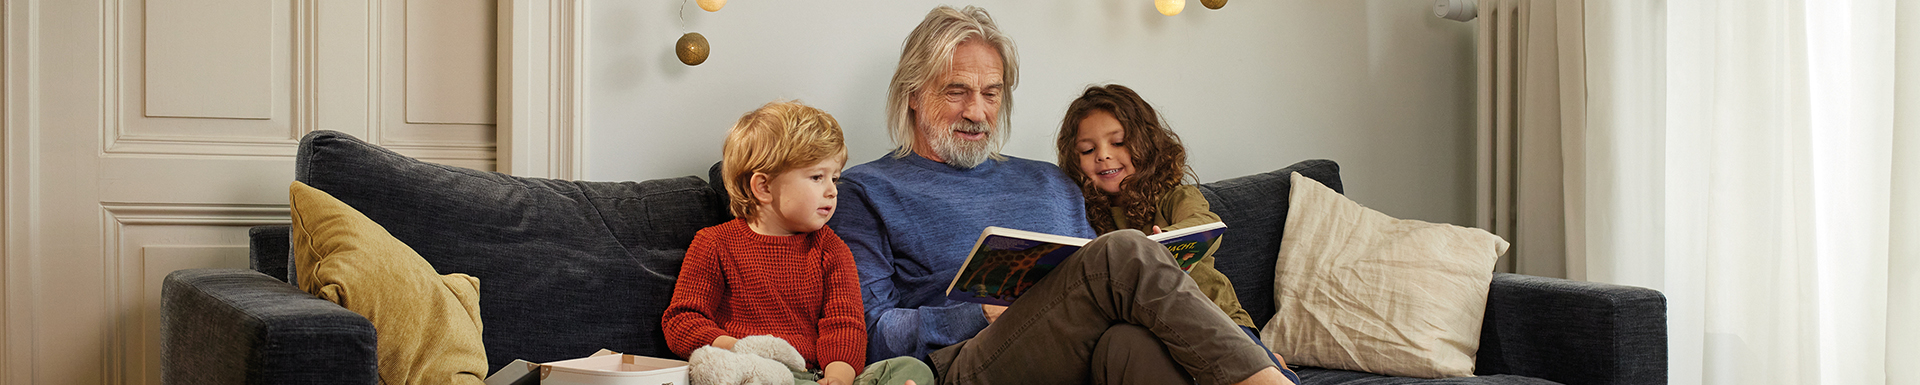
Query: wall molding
point(219, 214)
point(124, 341)
point(121, 137)
point(457, 144)
point(306, 67)
point(201, 146)
point(8, 112)
point(541, 93)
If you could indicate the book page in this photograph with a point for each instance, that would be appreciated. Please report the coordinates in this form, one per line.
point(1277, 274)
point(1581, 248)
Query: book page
point(1006, 262)
point(1191, 245)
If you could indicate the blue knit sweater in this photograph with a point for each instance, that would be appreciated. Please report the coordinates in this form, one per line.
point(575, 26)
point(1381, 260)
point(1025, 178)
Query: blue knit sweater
point(910, 222)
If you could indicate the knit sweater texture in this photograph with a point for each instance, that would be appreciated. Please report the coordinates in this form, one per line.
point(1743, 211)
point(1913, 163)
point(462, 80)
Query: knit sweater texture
point(910, 221)
point(801, 288)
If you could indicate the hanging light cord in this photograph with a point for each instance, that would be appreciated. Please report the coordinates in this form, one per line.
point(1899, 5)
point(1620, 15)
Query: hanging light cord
point(683, 15)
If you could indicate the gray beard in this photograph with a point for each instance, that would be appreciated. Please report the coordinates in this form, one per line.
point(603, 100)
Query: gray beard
point(961, 153)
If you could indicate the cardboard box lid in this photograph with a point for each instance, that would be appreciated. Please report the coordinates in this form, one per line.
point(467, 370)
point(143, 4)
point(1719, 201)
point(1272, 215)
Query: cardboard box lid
point(604, 363)
point(609, 364)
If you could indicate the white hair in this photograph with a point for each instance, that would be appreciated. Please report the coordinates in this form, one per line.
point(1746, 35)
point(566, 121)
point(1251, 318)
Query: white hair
point(928, 53)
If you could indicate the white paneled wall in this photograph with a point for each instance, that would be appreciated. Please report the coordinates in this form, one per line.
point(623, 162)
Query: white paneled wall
point(143, 137)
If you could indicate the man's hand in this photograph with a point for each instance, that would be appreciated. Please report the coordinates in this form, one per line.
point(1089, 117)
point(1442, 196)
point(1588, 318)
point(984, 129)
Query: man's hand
point(992, 312)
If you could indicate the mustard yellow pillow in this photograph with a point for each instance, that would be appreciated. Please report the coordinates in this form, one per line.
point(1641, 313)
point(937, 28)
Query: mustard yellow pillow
point(428, 324)
point(1359, 290)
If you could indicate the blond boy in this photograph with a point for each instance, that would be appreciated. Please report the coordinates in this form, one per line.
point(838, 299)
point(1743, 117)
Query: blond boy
point(776, 275)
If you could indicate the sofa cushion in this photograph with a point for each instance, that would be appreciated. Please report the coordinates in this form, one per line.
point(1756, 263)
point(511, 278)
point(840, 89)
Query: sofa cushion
point(571, 267)
point(428, 324)
point(719, 186)
point(1360, 290)
point(268, 252)
point(1254, 208)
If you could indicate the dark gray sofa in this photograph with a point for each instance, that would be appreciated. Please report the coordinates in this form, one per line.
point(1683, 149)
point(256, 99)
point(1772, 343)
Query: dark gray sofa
point(569, 267)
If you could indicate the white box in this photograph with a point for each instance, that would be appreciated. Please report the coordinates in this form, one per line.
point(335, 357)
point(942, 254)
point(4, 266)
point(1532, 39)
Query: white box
point(615, 369)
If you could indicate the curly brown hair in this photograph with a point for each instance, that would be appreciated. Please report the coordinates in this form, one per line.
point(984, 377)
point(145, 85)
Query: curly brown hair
point(1158, 157)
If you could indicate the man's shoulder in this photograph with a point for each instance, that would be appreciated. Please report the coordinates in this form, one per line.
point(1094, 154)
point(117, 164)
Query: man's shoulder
point(871, 174)
point(1030, 164)
point(886, 163)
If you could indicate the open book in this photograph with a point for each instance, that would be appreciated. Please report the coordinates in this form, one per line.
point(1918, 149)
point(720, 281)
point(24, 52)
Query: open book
point(1005, 262)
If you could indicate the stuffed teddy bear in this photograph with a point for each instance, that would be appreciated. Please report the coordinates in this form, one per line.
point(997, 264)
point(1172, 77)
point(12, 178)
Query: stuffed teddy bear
point(755, 360)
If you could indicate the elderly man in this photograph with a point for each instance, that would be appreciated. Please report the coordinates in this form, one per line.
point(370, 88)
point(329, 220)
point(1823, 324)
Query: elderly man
point(1116, 312)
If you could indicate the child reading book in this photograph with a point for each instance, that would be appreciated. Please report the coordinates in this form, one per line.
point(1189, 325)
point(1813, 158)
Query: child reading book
point(776, 275)
point(1130, 167)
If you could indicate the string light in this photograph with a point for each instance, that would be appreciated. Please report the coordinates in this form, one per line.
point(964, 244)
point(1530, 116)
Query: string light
point(692, 48)
point(1170, 7)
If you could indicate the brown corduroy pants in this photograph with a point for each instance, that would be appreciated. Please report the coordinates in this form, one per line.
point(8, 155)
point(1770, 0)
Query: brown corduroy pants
point(1118, 311)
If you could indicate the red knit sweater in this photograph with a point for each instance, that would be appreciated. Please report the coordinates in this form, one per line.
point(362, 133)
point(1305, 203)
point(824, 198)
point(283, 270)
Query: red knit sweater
point(802, 288)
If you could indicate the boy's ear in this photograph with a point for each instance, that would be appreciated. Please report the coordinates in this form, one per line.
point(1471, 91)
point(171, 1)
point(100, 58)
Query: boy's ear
point(760, 185)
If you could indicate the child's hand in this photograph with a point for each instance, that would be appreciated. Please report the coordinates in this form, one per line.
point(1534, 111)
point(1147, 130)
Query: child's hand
point(834, 381)
point(992, 311)
point(836, 373)
point(1156, 230)
point(724, 342)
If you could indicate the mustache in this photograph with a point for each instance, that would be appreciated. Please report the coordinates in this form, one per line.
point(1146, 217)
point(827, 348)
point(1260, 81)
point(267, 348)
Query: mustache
point(972, 127)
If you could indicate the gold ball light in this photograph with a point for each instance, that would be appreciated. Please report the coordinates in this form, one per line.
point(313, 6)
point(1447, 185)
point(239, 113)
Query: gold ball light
point(712, 5)
point(1169, 7)
point(1213, 4)
point(692, 48)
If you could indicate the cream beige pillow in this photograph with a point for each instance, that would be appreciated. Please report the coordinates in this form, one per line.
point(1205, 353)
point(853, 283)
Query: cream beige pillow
point(1358, 290)
point(428, 324)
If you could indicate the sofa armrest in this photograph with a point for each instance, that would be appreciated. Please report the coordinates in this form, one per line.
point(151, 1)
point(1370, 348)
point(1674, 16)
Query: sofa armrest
point(1574, 332)
point(236, 326)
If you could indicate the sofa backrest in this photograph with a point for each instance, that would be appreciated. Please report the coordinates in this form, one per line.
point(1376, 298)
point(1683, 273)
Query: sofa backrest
point(1254, 208)
point(566, 267)
point(569, 267)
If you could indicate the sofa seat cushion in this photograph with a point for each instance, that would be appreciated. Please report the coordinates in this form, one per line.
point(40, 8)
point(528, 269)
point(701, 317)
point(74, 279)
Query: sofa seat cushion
point(570, 267)
point(1319, 376)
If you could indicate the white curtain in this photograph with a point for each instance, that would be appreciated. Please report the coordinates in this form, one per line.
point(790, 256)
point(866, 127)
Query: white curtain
point(1530, 92)
point(1742, 156)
